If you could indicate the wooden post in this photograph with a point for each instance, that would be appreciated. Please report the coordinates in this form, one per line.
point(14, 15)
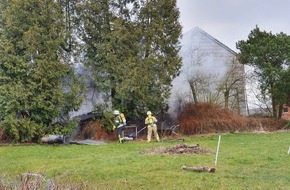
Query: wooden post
point(217, 151)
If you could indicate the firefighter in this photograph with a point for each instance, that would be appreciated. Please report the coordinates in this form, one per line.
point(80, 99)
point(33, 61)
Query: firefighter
point(119, 123)
point(151, 121)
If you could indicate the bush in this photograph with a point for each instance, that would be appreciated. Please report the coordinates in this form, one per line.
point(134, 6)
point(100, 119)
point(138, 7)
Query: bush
point(207, 118)
point(62, 128)
point(21, 130)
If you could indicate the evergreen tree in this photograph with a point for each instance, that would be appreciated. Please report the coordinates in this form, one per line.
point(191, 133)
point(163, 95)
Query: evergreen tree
point(74, 84)
point(158, 51)
point(32, 68)
point(270, 55)
point(132, 50)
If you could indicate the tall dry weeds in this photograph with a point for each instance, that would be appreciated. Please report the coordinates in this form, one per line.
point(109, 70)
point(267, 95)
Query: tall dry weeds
point(37, 181)
point(205, 118)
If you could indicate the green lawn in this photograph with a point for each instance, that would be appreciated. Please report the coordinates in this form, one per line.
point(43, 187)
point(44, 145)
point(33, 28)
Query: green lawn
point(245, 161)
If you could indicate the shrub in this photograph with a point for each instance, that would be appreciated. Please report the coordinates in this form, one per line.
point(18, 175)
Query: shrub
point(62, 128)
point(21, 130)
point(207, 118)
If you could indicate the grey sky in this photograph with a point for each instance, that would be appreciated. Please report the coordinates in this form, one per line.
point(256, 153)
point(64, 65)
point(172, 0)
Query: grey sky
point(232, 20)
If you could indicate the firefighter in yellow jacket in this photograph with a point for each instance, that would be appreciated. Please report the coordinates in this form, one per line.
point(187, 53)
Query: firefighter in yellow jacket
point(119, 123)
point(151, 121)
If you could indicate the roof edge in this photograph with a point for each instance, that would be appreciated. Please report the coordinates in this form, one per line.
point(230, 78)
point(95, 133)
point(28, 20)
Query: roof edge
point(214, 40)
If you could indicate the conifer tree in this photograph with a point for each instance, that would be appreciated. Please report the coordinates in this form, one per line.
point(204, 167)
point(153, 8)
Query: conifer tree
point(132, 50)
point(32, 67)
point(158, 50)
point(269, 54)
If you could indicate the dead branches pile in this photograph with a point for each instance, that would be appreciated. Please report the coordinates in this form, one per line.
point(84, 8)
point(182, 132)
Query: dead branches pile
point(177, 149)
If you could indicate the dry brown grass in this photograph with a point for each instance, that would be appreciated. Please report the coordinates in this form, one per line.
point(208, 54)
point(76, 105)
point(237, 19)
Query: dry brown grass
point(93, 130)
point(37, 181)
point(205, 118)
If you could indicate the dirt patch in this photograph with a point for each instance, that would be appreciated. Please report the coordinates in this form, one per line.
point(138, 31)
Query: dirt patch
point(177, 149)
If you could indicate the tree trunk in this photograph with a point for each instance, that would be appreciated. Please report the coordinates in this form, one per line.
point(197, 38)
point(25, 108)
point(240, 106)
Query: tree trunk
point(193, 92)
point(199, 168)
point(226, 97)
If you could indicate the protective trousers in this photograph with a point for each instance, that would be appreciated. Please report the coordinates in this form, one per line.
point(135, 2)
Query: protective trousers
point(151, 128)
point(120, 133)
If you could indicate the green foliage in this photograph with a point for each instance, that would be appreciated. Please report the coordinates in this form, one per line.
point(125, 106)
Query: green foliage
point(122, 41)
point(21, 130)
point(65, 128)
point(287, 125)
point(132, 42)
point(107, 121)
point(104, 116)
point(74, 93)
point(270, 55)
point(36, 81)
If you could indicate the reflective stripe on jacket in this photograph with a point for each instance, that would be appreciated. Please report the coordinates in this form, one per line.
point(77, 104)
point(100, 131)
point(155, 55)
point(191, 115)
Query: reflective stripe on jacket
point(150, 120)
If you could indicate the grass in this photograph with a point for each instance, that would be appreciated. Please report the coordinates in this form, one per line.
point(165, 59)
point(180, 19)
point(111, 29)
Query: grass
point(245, 161)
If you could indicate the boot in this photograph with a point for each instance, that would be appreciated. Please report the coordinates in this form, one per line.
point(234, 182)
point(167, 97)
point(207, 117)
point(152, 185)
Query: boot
point(121, 139)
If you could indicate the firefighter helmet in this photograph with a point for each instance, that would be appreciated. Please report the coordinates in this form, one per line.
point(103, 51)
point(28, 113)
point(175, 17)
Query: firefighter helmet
point(116, 112)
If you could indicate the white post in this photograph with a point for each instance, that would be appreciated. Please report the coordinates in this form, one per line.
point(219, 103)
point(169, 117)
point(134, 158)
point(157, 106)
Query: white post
point(217, 150)
point(289, 150)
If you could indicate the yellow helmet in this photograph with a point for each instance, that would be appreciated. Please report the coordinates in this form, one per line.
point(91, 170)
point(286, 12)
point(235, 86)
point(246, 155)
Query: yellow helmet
point(149, 113)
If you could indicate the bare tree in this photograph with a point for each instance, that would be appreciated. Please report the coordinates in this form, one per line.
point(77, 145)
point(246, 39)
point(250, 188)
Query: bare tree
point(212, 78)
point(202, 84)
point(232, 85)
point(194, 79)
point(259, 103)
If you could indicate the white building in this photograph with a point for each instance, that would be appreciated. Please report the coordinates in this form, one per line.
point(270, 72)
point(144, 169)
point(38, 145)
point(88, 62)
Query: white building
point(211, 68)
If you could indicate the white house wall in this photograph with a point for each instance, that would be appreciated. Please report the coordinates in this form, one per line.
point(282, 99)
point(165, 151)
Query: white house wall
point(214, 57)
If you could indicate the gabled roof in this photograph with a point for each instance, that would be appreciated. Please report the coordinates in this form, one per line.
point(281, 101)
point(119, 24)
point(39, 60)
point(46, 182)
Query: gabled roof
point(197, 29)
